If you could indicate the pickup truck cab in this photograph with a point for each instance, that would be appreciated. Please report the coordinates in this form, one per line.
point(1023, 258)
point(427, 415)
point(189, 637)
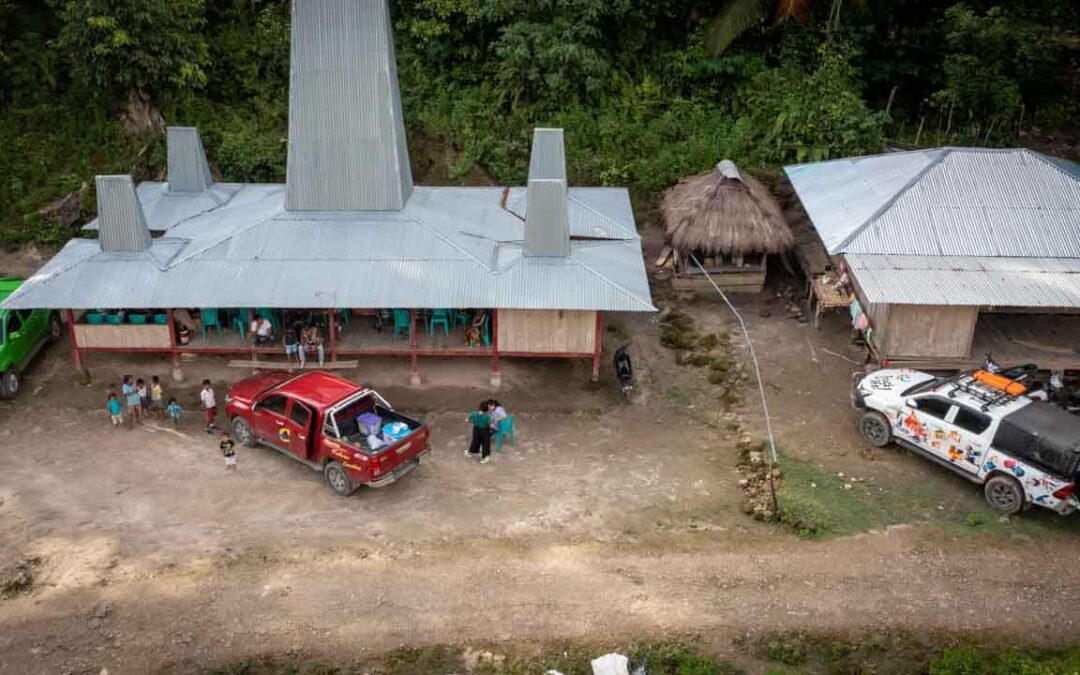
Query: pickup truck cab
point(23, 332)
point(1023, 452)
point(345, 431)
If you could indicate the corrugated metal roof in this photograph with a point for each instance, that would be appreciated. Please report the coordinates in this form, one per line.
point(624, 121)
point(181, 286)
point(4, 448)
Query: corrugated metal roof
point(592, 214)
point(347, 144)
point(122, 226)
point(450, 247)
point(188, 168)
point(165, 210)
point(967, 281)
point(547, 223)
point(944, 202)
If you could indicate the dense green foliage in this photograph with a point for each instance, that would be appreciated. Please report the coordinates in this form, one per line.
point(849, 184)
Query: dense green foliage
point(643, 100)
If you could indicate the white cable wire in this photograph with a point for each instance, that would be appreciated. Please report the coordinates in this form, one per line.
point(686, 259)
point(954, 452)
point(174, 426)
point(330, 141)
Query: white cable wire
point(753, 356)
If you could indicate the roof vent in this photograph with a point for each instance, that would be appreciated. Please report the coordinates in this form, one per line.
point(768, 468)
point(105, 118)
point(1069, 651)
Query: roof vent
point(188, 168)
point(727, 169)
point(347, 144)
point(121, 223)
point(547, 221)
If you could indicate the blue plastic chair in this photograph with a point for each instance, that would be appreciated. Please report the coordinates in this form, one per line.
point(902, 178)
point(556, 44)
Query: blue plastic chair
point(240, 323)
point(487, 329)
point(95, 318)
point(441, 317)
point(161, 319)
point(137, 319)
point(462, 317)
point(402, 323)
point(346, 316)
point(114, 319)
point(210, 319)
point(504, 430)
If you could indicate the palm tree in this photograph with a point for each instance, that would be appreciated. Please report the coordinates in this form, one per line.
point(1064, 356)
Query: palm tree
point(739, 16)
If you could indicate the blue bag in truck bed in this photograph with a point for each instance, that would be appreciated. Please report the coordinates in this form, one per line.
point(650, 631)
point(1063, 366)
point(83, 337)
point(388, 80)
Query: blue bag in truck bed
point(369, 423)
point(395, 431)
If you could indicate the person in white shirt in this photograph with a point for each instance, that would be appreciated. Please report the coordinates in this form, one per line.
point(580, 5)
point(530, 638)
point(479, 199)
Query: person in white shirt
point(209, 403)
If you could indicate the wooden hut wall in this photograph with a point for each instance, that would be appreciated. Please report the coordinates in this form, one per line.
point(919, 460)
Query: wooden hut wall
point(927, 331)
point(547, 331)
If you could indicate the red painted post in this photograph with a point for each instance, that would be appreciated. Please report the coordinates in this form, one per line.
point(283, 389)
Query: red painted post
point(414, 371)
point(333, 334)
point(76, 355)
point(596, 348)
point(250, 320)
point(496, 373)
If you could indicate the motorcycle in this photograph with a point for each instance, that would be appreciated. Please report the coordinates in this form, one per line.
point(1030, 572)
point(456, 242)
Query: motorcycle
point(1054, 391)
point(624, 371)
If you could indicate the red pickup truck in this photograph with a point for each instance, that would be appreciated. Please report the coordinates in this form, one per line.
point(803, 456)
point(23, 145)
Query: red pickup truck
point(347, 432)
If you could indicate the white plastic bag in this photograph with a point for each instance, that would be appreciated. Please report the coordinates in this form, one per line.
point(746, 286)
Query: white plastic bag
point(611, 664)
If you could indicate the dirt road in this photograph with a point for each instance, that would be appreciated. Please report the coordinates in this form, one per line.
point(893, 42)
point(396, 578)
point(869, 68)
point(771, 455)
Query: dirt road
point(605, 522)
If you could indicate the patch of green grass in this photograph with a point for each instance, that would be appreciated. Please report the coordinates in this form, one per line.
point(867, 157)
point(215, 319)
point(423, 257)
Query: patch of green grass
point(813, 502)
point(678, 397)
point(678, 659)
point(976, 661)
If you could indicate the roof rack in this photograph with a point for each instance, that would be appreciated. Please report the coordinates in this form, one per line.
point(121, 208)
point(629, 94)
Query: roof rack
point(988, 395)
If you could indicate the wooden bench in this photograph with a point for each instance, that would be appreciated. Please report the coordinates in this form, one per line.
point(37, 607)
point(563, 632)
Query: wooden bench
point(278, 365)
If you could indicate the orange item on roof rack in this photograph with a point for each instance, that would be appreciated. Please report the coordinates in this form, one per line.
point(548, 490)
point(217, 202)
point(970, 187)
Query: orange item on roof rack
point(999, 382)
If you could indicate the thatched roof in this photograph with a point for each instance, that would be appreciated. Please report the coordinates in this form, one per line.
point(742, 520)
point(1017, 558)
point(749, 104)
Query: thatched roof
point(724, 212)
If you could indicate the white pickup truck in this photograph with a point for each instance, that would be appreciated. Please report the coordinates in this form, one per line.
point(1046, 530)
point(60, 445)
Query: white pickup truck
point(1021, 451)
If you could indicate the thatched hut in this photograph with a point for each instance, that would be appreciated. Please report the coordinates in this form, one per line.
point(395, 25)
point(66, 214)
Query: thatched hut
point(730, 223)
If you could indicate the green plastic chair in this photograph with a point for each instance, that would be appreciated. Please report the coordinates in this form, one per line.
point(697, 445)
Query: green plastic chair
point(462, 317)
point(95, 318)
point(210, 319)
point(114, 319)
point(441, 317)
point(402, 323)
point(487, 329)
point(505, 429)
point(137, 319)
point(161, 319)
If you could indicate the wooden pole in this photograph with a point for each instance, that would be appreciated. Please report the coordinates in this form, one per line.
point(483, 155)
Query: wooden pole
point(250, 320)
point(496, 374)
point(596, 348)
point(333, 334)
point(76, 355)
point(414, 371)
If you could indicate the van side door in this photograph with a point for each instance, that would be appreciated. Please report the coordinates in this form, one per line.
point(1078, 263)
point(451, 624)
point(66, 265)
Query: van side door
point(972, 429)
point(268, 420)
point(922, 422)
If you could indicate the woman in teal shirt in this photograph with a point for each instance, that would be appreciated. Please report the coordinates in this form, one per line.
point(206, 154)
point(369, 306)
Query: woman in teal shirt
point(481, 433)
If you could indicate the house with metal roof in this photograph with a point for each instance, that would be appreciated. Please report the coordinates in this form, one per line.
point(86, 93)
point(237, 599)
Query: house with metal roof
point(956, 252)
point(348, 242)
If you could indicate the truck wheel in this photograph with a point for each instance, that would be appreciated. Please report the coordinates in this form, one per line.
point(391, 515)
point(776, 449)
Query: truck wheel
point(338, 479)
point(243, 433)
point(56, 331)
point(1004, 494)
point(10, 383)
point(875, 428)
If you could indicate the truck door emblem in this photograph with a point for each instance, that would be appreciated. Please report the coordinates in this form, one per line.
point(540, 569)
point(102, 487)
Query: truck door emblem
point(283, 434)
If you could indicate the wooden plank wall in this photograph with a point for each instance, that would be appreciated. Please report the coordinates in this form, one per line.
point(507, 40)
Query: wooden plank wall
point(122, 337)
point(547, 332)
point(928, 330)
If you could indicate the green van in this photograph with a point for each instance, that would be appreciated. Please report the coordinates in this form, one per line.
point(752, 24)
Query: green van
point(23, 332)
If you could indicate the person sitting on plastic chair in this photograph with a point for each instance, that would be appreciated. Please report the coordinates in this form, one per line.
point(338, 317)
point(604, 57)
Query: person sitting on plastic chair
point(502, 424)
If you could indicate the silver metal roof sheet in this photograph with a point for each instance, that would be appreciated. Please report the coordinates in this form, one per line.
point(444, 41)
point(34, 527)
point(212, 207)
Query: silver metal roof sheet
point(548, 158)
point(347, 144)
point(967, 281)
point(188, 168)
point(122, 226)
point(944, 202)
point(547, 223)
point(450, 247)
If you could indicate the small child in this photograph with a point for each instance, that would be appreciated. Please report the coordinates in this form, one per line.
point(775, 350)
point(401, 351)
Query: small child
point(134, 404)
point(157, 395)
point(144, 395)
point(209, 404)
point(115, 412)
point(173, 411)
point(228, 449)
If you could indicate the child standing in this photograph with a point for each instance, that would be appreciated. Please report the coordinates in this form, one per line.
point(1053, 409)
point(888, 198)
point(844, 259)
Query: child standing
point(228, 449)
point(144, 396)
point(481, 433)
point(209, 404)
point(113, 406)
point(173, 411)
point(134, 403)
point(157, 396)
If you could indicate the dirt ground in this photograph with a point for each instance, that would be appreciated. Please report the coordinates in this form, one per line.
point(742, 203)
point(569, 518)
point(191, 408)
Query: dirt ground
point(606, 522)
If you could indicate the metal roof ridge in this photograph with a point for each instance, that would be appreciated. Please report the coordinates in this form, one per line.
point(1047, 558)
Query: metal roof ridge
point(218, 242)
point(602, 215)
point(1045, 159)
point(943, 153)
point(447, 240)
point(620, 287)
point(876, 155)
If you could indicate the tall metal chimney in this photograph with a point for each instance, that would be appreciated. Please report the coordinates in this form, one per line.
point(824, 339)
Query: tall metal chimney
point(547, 219)
point(121, 223)
point(188, 169)
point(347, 144)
